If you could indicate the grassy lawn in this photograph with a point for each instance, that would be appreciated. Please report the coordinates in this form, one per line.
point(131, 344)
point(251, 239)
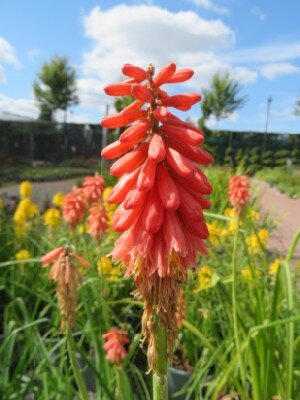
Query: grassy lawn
point(287, 180)
point(14, 174)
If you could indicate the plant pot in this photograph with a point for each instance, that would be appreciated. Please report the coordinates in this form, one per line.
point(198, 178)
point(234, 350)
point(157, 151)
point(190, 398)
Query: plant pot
point(177, 380)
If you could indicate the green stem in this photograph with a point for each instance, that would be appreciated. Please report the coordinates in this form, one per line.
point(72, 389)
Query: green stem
point(76, 370)
point(160, 381)
point(234, 301)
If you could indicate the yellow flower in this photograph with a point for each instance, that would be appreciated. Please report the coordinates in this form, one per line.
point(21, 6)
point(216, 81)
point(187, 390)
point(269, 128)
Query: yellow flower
point(52, 218)
point(105, 267)
point(204, 278)
point(58, 199)
point(82, 228)
point(21, 230)
point(2, 204)
point(273, 268)
point(254, 215)
point(110, 208)
point(25, 210)
point(23, 255)
point(247, 273)
point(230, 212)
point(255, 241)
point(25, 189)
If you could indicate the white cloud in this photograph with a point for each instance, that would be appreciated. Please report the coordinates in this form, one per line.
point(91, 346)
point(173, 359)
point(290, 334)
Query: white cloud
point(7, 55)
point(19, 107)
point(147, 34)
point(257, 12)
point(209, 5)
point(273, 70)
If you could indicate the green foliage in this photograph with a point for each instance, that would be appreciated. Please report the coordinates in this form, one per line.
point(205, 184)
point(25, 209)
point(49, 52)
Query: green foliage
point(222, 98)
point(122, 102)
point(228, 159)
point(286, 179)
point(55, 88)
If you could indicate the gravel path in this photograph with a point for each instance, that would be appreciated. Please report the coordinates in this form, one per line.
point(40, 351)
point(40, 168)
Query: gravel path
point(42, 190)
point(285, 213)
point(283, 210)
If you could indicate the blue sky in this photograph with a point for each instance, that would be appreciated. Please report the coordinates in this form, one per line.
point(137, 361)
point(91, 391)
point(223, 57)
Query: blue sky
point(258, 42)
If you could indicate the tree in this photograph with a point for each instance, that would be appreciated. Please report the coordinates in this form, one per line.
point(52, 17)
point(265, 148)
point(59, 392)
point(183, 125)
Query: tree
point(55, 88)
point(222, 98)
point(122, 102)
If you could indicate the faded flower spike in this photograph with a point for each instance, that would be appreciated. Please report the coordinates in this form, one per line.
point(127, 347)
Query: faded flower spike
point(162, 192)
point(68, 278)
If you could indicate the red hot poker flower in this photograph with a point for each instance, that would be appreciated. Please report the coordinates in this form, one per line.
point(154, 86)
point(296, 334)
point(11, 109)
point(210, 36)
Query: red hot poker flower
point(239, 191)
point(97, 221)
point(74, 207)
point(161, 189)
point(93, 187)
point(115, 341)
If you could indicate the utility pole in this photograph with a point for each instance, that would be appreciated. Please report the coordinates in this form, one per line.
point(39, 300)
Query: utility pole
point(104, 136)
point(269, 101)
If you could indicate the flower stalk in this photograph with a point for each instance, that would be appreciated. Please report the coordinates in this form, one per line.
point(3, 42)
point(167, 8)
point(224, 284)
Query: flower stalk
point(160, 380)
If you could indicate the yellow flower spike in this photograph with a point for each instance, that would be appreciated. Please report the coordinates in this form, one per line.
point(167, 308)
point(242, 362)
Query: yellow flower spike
point(25, 189)
point(52, 218)
point(247, 273)
point(21, 230)
point(273, 268)
point(205, 274)
point(104, 265)
point(255, 241)
point(2, 204)
point(23, 255)
point(28, 208)
point(254, 215)
point(82, 228)
point(58, 199)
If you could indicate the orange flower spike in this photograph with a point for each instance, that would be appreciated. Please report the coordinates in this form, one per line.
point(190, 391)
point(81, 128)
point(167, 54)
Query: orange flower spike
point(162, 194)
point(239, 191)
point(93, 187)
point(115, 342)
point(97, 221)
point(74, 207)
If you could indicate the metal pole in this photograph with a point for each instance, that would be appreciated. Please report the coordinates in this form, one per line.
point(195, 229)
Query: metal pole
point(104, 136)
point(269, 101)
